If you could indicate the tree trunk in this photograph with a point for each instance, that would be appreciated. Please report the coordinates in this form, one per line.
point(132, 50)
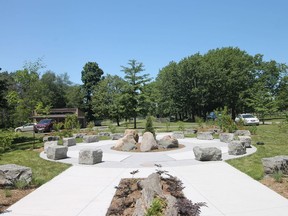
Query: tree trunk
point(135, 122)
point(118, 121)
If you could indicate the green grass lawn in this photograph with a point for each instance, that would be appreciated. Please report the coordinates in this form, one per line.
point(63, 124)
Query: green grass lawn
point(42, 170)
point(276, 143)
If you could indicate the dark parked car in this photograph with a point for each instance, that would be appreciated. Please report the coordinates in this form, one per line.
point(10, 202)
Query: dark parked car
point(44, 125)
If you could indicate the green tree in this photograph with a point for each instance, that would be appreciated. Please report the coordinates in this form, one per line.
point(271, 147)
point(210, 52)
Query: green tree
point(229, 73)
point(149, 125)
point(262, 102)
point(134, 87)
point(25, 94)
point(91, 75)
point(107, 98)
point(282, 94)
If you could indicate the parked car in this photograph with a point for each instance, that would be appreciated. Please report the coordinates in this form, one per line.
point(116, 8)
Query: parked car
point(248, 119)
point(44, 125)
point(26, 127)
point(211, 116)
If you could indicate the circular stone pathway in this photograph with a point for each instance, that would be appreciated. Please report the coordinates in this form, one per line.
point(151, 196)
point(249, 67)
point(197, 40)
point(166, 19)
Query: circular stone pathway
point(178, 157)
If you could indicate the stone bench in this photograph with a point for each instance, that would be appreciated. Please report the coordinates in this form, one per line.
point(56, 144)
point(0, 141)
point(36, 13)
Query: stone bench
point(90, 138)
point(90, 156)
point(70, 141)
point(178, 135)
point(236, 148)
point(49, 144)
point(226, 137)
point(207, 154)
point(57, 152)
point(246, 141)
point(205, 136)
point(12, 173)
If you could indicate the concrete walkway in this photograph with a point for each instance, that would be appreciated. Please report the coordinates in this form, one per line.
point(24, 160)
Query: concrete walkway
point(87, 190)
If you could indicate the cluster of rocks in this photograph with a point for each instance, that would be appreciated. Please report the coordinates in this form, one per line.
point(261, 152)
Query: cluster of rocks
point(237, 144)
point(10, 174)
point(88, 156)
point(130, 140)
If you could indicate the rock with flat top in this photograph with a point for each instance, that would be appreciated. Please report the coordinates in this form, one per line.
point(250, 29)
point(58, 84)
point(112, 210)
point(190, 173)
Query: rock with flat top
point(90, 156)
point(205, 136)
point(207, 154)
point(236, 148)
point(57, 152)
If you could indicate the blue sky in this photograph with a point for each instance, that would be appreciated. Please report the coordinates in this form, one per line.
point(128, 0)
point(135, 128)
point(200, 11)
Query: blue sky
point(67, 34)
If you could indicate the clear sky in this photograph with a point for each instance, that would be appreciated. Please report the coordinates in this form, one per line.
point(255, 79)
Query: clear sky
point(66, 34)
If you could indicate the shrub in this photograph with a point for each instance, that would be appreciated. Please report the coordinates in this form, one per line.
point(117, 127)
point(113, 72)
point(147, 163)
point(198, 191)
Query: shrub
point(5, 141)
point(58, 126)
point(112, 128)
point(149, 125)
point(181, 126)
point(225, 122)
point(71, 122)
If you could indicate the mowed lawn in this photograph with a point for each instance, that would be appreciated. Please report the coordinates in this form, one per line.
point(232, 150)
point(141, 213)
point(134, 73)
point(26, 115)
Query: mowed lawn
point(275, 143)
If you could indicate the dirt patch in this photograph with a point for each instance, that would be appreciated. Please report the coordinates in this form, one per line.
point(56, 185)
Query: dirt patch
point(11, 196)
point(279, 187)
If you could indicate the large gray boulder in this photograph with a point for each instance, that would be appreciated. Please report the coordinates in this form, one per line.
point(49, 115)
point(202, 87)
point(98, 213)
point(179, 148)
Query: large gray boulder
point(178, 135)
point(242, 133)
point(205, 136)
point(207, 154)
point(90, 138)
point(275, 164)
point(57, 152)
point(49, 144)
point(236, 148)
point(129, 138)
point(90, 156)
point(226, 137)
point(12, 173)
point(104, 134)
point(70, 141)
point(246, 141)
point(148, 142)
point(168, 142)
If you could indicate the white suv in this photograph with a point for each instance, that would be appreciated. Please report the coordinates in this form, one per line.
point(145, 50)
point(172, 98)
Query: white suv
point(248, 119)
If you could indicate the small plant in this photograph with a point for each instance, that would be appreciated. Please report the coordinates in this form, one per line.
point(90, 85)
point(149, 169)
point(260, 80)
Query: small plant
point(159, 171)
point(7, 193)
point(133, 173)
point(181, 126)
point(21, 184)
point(199, 121)
point(90, 125)
point(112, 128)
point(149, 125)
point(167, 125)
point(156, 208)
point(278, 176)
point(186, 207)
point(253, 129)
